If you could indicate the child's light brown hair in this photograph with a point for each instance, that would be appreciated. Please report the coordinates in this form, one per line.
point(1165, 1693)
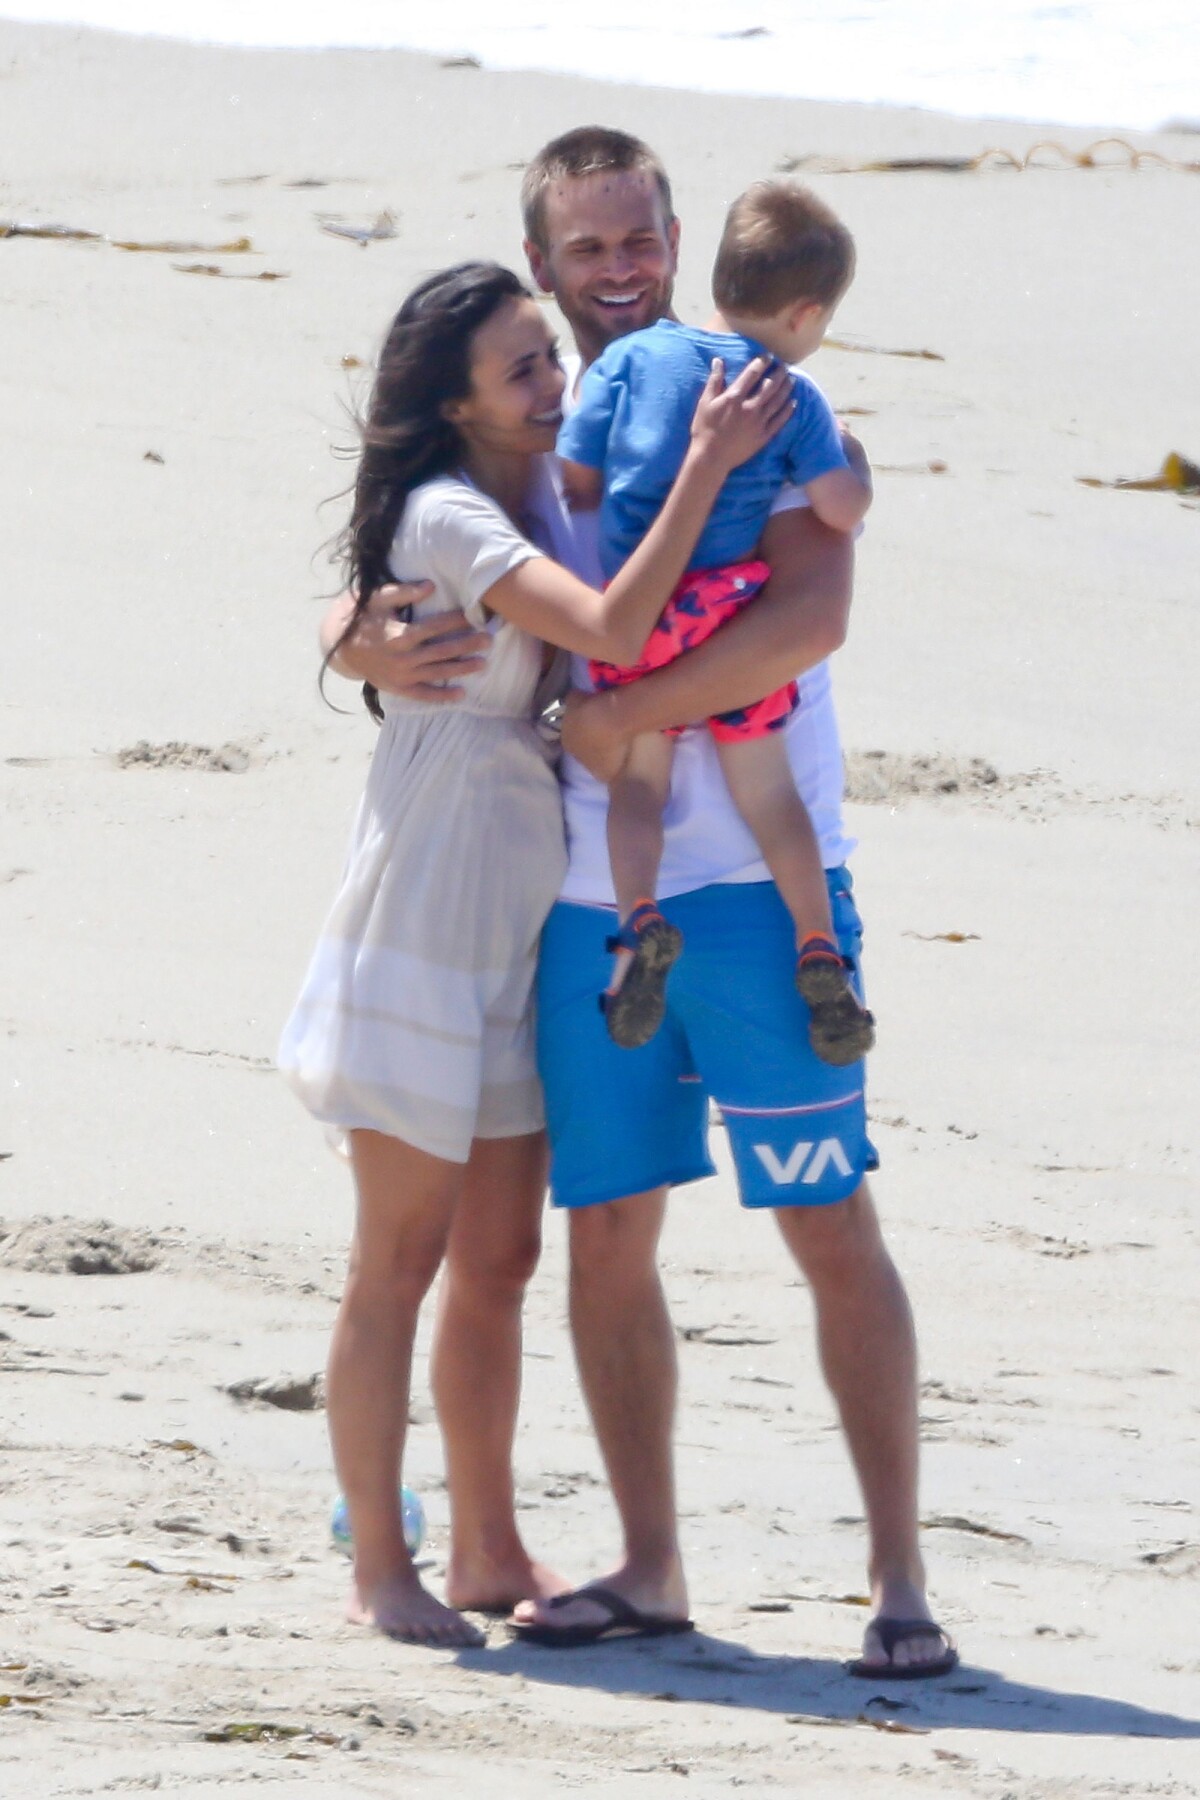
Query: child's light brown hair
point(780, 245)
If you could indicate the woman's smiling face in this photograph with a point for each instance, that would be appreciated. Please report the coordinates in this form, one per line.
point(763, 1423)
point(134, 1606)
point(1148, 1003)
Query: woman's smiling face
point(515, 402)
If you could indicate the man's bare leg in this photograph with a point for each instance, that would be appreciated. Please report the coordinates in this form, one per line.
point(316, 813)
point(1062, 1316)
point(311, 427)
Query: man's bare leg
point(406, 1201)
point(625, 1347)
point(494, 1245)
point(869, 1357)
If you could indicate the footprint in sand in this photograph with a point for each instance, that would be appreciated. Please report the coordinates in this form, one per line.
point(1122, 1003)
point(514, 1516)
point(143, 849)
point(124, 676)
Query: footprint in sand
point(232, 759)
point(71, 1247)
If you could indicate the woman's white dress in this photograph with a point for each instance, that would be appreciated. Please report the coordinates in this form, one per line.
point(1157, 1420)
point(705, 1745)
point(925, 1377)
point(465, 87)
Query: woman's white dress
point(416, 1015)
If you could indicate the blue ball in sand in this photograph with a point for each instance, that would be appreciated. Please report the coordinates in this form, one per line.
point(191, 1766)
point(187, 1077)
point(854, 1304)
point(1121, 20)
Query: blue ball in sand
point(411, 1511)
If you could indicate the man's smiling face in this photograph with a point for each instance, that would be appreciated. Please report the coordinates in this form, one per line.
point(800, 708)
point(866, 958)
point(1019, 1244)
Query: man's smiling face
point(610, 255)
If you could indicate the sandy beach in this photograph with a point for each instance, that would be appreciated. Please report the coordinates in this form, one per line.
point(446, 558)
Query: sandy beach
point(1018, 706)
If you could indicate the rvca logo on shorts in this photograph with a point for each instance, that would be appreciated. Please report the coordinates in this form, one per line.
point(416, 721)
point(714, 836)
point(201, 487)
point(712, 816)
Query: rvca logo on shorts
point(818, 1157)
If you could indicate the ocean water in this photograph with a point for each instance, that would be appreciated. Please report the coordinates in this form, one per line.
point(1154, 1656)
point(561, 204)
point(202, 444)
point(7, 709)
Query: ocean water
point(1103, 63)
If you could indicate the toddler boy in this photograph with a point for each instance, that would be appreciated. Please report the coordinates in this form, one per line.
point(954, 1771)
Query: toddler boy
point(783, 264)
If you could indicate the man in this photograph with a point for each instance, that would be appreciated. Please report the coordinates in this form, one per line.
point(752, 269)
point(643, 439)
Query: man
point(601, 236)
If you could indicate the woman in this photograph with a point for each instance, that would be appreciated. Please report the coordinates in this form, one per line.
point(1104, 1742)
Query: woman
point(413, 1033)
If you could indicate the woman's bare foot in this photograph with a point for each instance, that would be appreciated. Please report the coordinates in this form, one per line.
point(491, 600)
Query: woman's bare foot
point(489, 1584)
point(401, 1608)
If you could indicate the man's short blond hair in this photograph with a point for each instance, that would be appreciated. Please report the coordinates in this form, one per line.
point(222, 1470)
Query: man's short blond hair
point(780, 245)
point(589, 150)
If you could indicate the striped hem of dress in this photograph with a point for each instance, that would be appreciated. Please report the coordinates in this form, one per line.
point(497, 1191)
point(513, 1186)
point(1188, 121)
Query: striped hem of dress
point(378, 1015)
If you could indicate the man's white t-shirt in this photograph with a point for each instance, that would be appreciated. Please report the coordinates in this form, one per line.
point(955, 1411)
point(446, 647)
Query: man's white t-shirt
point(705, 839)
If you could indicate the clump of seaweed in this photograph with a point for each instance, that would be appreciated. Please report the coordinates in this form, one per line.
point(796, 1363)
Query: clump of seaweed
point(842, 343)
point(1060, 157)
point(231, 274)
point(1177, 476)
point(17, 228)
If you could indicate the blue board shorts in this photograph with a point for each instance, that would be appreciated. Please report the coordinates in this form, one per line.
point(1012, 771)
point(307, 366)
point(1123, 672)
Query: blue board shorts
point(736, 1030)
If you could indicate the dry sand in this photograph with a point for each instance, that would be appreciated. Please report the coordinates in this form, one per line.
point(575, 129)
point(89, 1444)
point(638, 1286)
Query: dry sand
point(1019, 699)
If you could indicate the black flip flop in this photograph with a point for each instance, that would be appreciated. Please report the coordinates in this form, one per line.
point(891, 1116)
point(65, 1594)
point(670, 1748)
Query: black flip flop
point(624, 1620)
point(891, 1632)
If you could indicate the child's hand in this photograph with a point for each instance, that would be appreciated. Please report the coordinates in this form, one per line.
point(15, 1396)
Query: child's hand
point(583, 487)
point(731, 424)
point(856, 456)
point(588, 735)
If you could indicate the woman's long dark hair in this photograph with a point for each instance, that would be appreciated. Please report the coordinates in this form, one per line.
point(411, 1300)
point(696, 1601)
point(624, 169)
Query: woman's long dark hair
point(426, 360)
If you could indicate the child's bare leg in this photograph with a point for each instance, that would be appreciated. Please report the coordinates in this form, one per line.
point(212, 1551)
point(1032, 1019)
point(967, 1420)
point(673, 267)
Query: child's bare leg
point(760, 780)
point(646, 945)
point(759, 777)
point(636, 801)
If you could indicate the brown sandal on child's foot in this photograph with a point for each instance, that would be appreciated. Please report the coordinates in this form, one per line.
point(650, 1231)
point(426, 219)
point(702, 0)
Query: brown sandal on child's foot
point(840, 1029)
point(634, 1011)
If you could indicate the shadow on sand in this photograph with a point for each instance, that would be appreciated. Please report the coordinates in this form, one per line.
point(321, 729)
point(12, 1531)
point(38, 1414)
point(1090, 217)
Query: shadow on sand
point(715, 1672)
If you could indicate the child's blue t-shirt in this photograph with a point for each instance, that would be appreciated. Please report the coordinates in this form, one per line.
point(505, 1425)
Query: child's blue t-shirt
point(634, 419)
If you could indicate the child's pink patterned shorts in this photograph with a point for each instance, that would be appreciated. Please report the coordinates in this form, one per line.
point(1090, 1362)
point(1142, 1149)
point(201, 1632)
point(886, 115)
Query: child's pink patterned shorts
point(700, 605)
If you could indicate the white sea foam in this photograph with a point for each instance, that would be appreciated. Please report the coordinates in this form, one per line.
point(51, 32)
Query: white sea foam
point(1098, 62)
